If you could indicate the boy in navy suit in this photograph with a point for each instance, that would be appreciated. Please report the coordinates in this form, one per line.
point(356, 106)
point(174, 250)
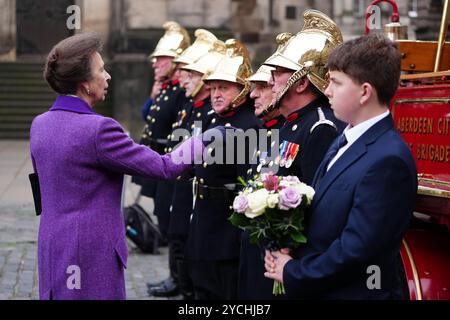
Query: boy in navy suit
point(357, 219)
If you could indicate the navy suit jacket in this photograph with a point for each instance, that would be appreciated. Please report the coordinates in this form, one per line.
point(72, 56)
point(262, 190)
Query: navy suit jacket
point(360, 212)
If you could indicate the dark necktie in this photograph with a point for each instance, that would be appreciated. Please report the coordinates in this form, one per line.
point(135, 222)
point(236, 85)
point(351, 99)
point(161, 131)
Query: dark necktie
point(338, 144)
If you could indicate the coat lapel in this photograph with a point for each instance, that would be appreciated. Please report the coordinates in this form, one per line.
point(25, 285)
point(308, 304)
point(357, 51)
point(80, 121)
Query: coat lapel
point(356, 151)
point(351, 155)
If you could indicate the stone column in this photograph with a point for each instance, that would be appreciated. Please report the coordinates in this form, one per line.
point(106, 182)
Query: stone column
point(7, 30)
point(96, 17)
point(145, 14)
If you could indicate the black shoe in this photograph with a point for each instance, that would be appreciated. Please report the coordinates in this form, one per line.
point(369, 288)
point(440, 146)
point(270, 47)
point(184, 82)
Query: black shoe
point(166, 290)
point(165, 282)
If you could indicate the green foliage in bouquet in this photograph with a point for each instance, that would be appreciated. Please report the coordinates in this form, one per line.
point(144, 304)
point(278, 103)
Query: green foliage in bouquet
point(272, 210)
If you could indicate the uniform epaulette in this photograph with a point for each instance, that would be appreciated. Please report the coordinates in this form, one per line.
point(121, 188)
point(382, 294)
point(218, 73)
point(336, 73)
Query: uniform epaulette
point(322, 121)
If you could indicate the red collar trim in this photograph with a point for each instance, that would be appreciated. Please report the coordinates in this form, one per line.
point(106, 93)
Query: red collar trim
point(165, 86)
point(292, 117)
point(227, 114)
point(271, 123)
point(199, 104)
point(175, 82)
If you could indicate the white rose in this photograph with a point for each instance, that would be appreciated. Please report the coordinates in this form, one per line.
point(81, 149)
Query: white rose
point(289, 181)
point(306, 190)
point(257, 202)
point(272, 200)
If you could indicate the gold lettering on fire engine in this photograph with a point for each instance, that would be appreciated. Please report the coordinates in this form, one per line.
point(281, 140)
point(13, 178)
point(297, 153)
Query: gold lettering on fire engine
point(419, 125)
point(432, 152)
point(443, 126)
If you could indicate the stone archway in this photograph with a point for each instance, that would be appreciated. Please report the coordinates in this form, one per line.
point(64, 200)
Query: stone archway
point(40, 25)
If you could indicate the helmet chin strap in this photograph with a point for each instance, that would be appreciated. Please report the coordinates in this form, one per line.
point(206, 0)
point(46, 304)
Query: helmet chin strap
point(200, 84)
point(197, 89)
point(171, 71)
point(268, 113)
point(240, 98)
point(297, 76)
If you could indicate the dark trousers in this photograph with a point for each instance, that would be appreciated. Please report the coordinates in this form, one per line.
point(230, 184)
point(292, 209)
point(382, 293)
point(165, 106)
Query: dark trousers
point(178, 264)
point(163, 201)
point(214, 280)
point(252, 283)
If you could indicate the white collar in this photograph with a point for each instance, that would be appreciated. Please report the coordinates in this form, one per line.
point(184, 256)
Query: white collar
point(353, 133)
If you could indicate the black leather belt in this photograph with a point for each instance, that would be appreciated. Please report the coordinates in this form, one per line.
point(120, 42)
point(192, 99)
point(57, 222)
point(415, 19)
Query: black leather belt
point(204, 192)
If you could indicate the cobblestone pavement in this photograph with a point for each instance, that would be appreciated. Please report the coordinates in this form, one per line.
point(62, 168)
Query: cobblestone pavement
point(19, 226)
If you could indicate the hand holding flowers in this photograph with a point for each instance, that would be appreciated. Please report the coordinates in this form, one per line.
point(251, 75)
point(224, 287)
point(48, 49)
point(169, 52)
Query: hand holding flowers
point(272, 209)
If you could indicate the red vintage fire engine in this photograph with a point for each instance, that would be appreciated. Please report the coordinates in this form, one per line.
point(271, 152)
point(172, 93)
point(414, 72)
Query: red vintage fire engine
point(421, 111)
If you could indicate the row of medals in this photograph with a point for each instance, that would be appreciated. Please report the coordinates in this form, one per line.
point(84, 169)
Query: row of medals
point(288, 151)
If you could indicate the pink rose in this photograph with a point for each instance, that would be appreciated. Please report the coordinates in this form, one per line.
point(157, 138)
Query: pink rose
point(240, 204)
point(290, 198)
point(271, 183)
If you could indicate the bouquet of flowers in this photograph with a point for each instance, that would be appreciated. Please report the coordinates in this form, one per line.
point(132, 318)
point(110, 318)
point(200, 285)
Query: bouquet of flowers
point(271, 209)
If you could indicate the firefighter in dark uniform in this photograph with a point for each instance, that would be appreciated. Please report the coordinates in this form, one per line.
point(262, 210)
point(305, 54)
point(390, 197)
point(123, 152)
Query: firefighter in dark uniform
point(199, 119)
point(166, 93)
point(213, 243)
point(298, 81)
point(163, 112)
point(252, 283)
point(185, 119)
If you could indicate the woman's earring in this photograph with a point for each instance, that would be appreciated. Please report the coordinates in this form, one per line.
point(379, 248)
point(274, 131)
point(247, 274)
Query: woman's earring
point(88, 92)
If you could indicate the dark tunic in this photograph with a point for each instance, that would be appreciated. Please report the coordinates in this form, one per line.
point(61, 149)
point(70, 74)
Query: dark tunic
point(252, 284)
point(213, 242)
point(162, 114)
point(302, 131)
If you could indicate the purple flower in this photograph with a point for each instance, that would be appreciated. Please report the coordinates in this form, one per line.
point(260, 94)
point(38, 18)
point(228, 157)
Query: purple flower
point(240, 203)
point(290, 198)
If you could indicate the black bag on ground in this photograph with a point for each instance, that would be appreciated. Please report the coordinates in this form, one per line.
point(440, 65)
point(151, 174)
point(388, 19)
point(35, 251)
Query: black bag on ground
point(141, 229)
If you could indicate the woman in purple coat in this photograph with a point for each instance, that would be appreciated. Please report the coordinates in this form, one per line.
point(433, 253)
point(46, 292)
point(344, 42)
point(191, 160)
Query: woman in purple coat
point(81, 158)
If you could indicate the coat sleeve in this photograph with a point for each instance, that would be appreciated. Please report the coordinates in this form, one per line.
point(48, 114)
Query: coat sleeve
point(376, 223)
point(117, 152)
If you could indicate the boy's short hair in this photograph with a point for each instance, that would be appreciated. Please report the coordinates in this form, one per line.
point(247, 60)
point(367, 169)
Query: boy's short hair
point(371, 58)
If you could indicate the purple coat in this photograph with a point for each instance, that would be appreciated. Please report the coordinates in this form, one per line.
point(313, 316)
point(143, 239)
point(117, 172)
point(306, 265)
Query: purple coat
point(81, 158)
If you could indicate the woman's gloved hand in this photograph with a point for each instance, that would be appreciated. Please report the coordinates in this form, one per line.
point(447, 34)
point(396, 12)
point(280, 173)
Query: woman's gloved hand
point(189, 152)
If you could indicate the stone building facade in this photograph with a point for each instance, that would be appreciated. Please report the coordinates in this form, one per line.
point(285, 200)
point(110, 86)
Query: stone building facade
point(31, 27)
point(130, 30)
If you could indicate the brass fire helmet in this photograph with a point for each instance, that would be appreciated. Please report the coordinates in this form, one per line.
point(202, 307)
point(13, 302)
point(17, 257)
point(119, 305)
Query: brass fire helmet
point(175, 40)
point(234, 67)
point(263, 74)
point(307, 52)
point(207, 62)
point(204, 40)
